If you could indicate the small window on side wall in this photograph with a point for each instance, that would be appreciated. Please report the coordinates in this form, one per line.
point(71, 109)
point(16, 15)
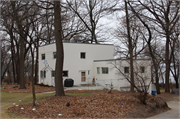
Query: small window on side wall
point(43, 56)
point(104, 70)
point(142, 69)
point(126, 70)
point(83, 55)
point(98, 70)
point(54, 55)
point(53, 73)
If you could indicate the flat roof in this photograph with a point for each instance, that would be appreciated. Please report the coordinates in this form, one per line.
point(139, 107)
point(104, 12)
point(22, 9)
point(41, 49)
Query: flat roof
point(78, 43)
point(117, 59)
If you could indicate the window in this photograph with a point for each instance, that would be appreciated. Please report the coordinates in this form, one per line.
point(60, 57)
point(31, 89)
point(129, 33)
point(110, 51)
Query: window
point(53, 73)
point(65, 73)
point(83, 55)
point(98, 70)
point(104, 70)
point(142, 69)
point(54, 55)
point(43, 56)
point(126, 70)
point(43, 74)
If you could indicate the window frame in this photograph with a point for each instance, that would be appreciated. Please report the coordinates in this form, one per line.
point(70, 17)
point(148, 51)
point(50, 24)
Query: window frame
point(82, 55)
point(53, 73)
point(142, 69)
point(105, 71)
point(43, 74)
point(126, 70)
point(55, 55)
point(42, 56)
point(98, 71)
point(67, 73)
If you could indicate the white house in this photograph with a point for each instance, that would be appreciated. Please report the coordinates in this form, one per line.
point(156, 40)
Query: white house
point(84, 62)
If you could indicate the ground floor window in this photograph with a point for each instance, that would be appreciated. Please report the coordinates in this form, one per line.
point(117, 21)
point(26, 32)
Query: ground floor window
point(53, 73)
point(43, 74)
point(98, 70)
point(104, 70)
point(65, 73)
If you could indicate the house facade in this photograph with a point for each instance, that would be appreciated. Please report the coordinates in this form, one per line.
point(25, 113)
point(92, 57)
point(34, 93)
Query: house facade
point(85, 63)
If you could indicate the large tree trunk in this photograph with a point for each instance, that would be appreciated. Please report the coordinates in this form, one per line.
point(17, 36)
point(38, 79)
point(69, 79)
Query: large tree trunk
point(130, 48)
point(59, 50)
point(21, 75)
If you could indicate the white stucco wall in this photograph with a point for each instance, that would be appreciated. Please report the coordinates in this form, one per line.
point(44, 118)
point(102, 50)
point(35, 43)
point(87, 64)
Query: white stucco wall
point(117, 78)
point(97, 55)
point(72, 61)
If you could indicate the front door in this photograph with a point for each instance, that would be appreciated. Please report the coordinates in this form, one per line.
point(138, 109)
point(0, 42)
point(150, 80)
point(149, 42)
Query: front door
point(83, 77)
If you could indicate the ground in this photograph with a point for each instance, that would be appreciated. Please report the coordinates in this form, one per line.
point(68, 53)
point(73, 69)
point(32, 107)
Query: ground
point(100, 104)
point(38, 89)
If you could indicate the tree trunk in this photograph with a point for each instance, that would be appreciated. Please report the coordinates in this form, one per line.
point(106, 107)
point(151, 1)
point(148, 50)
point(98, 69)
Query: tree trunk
point(130, 48)
point(59, 50)
point(32, 78)
point(167, 88)
point(36, 64)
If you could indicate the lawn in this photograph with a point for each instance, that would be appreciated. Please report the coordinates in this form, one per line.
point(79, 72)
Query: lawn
point(7, 100)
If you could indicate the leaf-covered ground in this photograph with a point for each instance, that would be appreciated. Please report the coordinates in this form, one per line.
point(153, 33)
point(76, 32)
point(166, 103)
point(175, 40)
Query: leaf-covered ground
point(38, 88)
point(100, 104)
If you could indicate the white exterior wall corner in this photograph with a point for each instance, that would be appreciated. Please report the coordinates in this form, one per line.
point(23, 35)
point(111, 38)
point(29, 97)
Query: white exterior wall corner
point(72, 61)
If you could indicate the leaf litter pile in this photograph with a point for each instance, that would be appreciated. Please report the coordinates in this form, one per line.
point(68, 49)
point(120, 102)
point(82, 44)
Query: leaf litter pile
point(100, 104)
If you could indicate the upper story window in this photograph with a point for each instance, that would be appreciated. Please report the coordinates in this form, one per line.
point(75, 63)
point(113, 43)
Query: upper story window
point(104, 70)
point(142, 69)
point(43, 56)
point(54, 55)
point(83, 55)
point(98, 70)
point(126, 70)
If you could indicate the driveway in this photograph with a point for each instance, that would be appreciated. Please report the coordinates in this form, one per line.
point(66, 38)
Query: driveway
point(173, 113)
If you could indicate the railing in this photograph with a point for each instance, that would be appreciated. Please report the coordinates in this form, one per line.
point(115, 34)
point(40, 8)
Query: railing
point(106, 83)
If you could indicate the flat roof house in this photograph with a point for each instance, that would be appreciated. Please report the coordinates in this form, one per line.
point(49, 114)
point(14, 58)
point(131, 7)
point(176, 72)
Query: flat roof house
point(84, 62)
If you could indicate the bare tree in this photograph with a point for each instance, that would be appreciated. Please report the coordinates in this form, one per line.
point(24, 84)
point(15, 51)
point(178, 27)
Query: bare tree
point(59, 49)
point(165, 16)
point(142, 77)
point(90, 12)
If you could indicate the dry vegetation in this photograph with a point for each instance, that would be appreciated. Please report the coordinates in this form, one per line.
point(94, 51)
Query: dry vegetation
point(38, 89)
point(100, 104)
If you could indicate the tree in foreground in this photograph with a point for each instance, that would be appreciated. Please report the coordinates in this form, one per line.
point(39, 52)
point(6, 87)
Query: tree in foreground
point(59, 49)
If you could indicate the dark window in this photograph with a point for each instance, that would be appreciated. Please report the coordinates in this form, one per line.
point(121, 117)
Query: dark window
point(65, 73)
point(83, 55)
point(126, 69)
point(104, 70)
point(142, 69)
point(53, 73)
point(54, 55)
point(43, 74)
point(43, 56)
